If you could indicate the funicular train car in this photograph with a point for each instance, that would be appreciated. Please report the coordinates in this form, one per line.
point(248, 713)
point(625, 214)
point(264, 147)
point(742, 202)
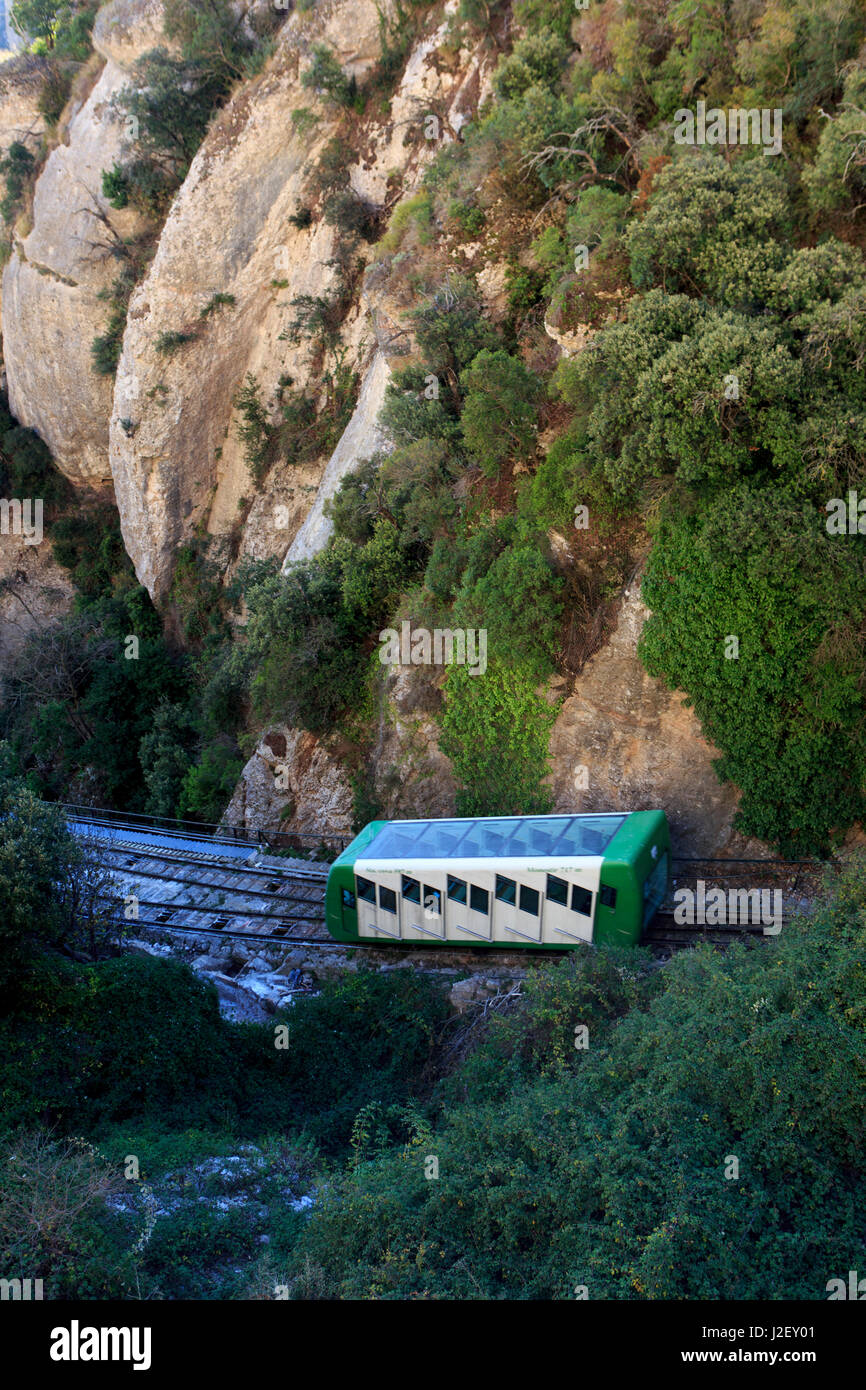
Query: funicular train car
point(543, 882)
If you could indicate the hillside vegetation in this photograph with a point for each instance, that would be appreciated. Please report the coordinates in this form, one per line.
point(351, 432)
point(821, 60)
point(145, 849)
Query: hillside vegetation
point(621, 350)
point(709, 408)
point(618, 1132)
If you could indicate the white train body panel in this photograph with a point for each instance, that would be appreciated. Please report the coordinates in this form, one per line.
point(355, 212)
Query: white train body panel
point(547, 901)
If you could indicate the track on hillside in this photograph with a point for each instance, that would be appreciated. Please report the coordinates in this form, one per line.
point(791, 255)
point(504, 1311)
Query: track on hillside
point(207, 885)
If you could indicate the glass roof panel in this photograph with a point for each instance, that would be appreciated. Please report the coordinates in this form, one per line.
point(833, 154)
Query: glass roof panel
point(495, 837)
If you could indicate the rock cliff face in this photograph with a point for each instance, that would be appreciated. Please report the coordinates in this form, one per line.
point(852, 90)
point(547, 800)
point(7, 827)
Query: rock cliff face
point(229, 232)
point(623, 741)
point(292, 783)
point(165, 432)
point(21, 83)
point(34, 590)
point(59, 265)
point(412, 777)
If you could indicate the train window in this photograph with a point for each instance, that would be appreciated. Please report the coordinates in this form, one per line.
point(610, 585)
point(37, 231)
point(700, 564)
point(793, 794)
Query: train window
point(456, 890)
point(506, 890)
point(608, 896)
point(387, 899)
point(366, 889)
point(557, 890)
point(432, 901)
point(528, 900)
point(581, 900)
point(411, 889)
point(541, 843)
point(479, 899)
point(348, 898)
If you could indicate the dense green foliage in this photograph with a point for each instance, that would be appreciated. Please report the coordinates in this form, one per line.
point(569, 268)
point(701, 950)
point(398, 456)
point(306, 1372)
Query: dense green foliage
point(787, 707)
point(634, 1133)
point(82, 694)
point(17, 167)
point(711, 402)
point(608, 1168)
point(26, 466)
point(495, 728)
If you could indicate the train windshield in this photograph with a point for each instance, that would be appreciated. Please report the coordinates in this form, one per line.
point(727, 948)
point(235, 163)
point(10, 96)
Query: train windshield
point(506, 837)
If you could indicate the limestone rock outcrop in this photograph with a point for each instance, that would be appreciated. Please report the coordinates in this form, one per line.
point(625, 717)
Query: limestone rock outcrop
point(292, 783)
point(640, 746)
point(34, 591)
point(176, 457)
point(21, 82)
point(412, 777)
point(51, 285)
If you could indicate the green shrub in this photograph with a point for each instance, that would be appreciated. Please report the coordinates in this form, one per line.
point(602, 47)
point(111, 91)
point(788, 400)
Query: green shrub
point(786, 709)
point(73, 701)
point(207, 786)
point(417, 212)
point(838, 174)
point(606, 1167)
point(498, 420)
point(89, 544)
point(106, 348)
point(324, 75)
point(534, 59)
point(54, 94)
point(26, 466)
point(518, 601)
point(217, 301)
point(17, 167)
point(598, 220)
point(164, 754)
point(350, 214)
point(332, 167)
point(254, 428)
point(168, 342)
point(53, 1220)
point(450, 328)
point(495, 729)
point(365, 1037)
point(470, 219)
point(306, 627)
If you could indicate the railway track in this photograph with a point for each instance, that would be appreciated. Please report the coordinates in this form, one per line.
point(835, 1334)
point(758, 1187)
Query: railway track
point(191, 885)
point(281, 906)
point(663, 931)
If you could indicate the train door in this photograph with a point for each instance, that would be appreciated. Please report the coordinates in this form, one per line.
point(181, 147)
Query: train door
point(568, 911)
point(468, 907)
point(421, 909)
point(504, 907)
point(517, 911)
point(378, 906)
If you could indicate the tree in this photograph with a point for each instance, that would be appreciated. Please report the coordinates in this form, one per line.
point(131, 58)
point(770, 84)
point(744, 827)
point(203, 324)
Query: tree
point(16, 167)
point(207, 786)
point(838, 175)
point(534, 58)
point(211, 36)
point(325, 75)
point(450, 329)
point(499, 413)
point(53, 891)
point(36, 19)
point(164, 754)
point(517, 600)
